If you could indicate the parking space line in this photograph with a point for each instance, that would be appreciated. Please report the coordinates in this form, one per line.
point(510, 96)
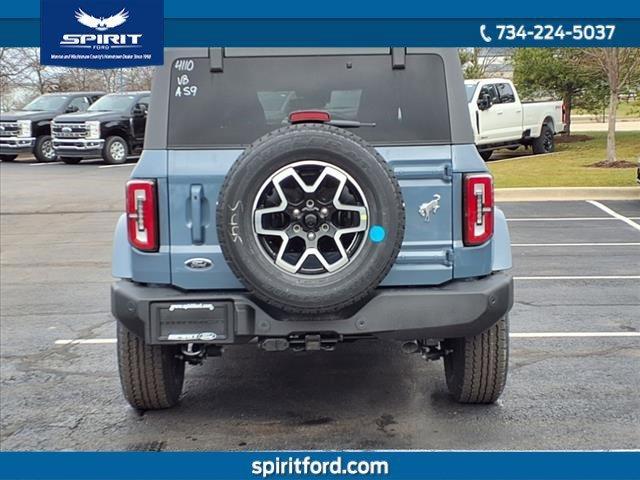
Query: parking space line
point(614, 214)
point(581, 277)
point(110, 341)
point(572, 334)
point(558, 219)
point(45, 164)
point(118, 165)
point(86, 341)
point(601, 244)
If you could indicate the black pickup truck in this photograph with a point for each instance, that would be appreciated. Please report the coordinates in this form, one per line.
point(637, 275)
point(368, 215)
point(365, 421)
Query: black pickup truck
point(28, 130)
point(112, 128)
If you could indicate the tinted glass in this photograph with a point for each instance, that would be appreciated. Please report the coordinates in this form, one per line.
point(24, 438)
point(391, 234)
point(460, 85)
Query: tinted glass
point(81, 103)
point(115, 103)
point(256, 95)
point(46, 102)
point(491, 90)
point(506, 93)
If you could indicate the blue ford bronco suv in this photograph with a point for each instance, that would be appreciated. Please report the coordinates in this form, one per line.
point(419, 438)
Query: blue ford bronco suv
point(299, 198)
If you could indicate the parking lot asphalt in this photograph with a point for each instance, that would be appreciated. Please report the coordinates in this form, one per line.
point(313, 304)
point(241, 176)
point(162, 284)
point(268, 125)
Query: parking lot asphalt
point(574, 379)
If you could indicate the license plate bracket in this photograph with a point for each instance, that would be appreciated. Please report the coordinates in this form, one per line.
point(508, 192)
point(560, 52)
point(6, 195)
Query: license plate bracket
point(192, 322)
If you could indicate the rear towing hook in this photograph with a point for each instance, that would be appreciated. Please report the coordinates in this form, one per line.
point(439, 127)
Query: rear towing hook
point(195, 353)
point(429, 349)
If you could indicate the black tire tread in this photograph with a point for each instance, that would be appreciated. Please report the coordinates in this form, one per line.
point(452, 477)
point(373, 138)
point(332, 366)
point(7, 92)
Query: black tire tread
point(107, 144)
point(484, 365)
point(37, 149)
point(486, 154)
point(146, 382)
point(537, 145)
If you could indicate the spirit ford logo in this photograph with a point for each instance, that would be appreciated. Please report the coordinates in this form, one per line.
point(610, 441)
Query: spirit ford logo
point(101, 24)
point(100, 39)
point(101, 34)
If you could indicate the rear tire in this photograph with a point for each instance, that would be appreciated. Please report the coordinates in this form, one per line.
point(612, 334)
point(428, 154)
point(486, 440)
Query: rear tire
point(151, 375)
point(476, 368)
point(71, 160)
point(8, 158)
point(545, 143)
point(43, 150)
point(115, 150)
point(486, 154)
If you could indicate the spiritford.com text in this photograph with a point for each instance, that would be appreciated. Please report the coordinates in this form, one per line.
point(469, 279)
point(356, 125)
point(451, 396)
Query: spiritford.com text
point(308, 466)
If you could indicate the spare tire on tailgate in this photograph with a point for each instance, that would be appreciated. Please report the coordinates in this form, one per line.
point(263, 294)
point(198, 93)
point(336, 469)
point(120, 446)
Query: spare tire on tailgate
point(310, 218)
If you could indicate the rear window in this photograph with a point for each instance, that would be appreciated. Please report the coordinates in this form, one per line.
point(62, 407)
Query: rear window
point(254, 95)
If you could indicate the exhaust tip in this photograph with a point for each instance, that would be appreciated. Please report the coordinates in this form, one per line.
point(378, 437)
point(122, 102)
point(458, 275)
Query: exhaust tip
point(411, 347)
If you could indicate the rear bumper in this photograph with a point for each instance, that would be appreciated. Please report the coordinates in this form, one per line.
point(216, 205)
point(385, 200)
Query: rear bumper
point(16, 145)
point(457, 309)
point(78, 147)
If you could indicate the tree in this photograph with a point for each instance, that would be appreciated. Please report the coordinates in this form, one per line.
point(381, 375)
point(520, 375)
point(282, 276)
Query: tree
point(22, 77)
point(549, 71)
point(11, 73)
point(620, 69)
point(41, 78)
point(476, 61)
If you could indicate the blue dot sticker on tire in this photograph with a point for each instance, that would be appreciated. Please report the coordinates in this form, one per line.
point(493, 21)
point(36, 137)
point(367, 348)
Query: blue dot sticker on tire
point(377, 233)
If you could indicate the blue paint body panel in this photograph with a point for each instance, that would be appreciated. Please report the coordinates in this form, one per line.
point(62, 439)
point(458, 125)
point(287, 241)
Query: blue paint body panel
point(432, 252)
point(207, 168)
point(424, 173)
point(501, 244)
point(121, 251)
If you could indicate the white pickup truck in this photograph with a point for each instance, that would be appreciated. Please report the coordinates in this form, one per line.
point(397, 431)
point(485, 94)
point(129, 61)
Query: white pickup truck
point(501, 120)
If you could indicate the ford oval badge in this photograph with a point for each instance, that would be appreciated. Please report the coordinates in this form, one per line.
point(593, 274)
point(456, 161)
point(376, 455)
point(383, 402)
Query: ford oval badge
point(198, 263)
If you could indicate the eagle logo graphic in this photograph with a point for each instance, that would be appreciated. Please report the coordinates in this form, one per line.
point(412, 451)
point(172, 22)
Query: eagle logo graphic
point(101, 24)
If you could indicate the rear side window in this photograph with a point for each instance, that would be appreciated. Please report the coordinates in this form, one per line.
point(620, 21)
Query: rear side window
point(255, 95)
point(81, 103)
point(506, 93)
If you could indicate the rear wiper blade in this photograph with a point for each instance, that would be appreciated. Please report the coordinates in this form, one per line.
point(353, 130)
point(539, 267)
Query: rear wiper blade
point(350, 123)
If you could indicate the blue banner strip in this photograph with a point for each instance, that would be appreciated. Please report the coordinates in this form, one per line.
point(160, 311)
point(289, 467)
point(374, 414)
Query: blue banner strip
point(365, 9)
point(371, 32)
point(401, 465)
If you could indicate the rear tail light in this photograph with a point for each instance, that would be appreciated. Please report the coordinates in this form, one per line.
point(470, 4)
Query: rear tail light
point(478, 209)
point(142, 215)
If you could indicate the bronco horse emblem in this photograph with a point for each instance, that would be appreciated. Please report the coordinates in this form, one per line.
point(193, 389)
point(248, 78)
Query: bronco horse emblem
point(428, 208)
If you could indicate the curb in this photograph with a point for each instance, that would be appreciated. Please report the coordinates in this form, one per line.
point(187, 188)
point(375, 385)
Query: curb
point(557, 194)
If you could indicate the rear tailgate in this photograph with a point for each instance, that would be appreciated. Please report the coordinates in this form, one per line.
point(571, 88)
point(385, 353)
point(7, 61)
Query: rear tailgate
point(215, 114)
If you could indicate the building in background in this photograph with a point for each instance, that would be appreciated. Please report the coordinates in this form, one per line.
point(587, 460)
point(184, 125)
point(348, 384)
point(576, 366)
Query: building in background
point(487, 62)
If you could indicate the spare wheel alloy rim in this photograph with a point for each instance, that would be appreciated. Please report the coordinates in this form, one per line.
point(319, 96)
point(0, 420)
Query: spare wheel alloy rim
point(310, 219)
